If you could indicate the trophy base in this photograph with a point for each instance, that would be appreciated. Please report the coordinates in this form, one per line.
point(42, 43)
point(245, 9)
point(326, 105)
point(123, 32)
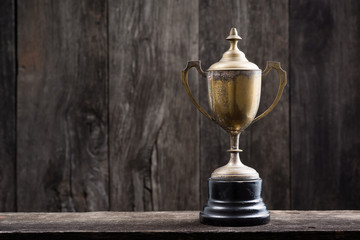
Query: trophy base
point(234, 203)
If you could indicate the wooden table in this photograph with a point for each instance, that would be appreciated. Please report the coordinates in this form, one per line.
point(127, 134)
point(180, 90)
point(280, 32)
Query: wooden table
point(176, 225)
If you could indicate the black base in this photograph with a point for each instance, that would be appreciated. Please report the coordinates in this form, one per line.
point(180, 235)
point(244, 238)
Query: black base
point(234, 203)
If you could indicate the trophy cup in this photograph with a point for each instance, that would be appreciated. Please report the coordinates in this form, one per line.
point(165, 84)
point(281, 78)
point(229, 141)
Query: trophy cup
point(234, 86)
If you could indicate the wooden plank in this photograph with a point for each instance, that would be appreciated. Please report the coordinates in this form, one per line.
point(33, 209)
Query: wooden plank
point(176, 225)
point(154, 136)
point(325, 50)
point(62, 106)
point(263, 25)
point(7, 106)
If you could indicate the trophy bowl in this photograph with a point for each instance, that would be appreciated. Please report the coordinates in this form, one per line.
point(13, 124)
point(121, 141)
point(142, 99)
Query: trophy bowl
point(234, 89)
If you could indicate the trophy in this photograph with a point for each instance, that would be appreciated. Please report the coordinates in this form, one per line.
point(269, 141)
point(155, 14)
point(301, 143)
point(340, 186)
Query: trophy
point(234, 87)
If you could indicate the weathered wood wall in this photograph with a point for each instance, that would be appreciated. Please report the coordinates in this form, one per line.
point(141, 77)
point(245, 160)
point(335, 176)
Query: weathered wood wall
point(62, 110)
point(153, 130)
point(325, 104)
point(94, 116)
point(7, 106)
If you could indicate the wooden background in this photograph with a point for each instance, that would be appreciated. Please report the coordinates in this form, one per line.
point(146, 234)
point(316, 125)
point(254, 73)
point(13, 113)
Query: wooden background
point(94, 116)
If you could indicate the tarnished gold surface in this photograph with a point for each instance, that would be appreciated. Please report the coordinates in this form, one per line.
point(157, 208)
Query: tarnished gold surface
point(234, 98)
point(235, 169)
point(234, 87)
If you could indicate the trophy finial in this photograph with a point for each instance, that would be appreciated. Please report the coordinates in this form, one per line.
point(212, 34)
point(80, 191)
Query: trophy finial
point(233, 35)
point(233, 58)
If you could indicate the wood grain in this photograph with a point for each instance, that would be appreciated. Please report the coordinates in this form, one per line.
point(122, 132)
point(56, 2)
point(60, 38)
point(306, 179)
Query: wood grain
point(176, 225)
point(263, 26)
point(7, 106)
point(325, 143)
point(154, 135)
point(62, 106)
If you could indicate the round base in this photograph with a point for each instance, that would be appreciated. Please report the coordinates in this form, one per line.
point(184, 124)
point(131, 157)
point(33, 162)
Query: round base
point(233, 222)
point(234, 203)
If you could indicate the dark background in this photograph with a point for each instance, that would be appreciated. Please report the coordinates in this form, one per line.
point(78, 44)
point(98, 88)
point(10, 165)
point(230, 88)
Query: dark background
point(94, 116)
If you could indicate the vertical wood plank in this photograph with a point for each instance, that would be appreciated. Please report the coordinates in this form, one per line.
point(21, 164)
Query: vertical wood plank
point(154, 135)
point(263, 25)
point(62, 106)
point(7, 106)
point(325, 143)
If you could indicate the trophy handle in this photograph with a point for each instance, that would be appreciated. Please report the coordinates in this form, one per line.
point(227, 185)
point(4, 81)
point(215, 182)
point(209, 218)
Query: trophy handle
point(184, 78)
point(282, 74)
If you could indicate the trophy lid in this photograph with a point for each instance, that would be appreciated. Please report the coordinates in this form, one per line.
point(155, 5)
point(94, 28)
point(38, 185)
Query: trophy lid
point(233, 59)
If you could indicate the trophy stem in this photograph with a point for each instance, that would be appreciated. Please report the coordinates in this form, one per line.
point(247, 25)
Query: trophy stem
point(234, 149)
point(234, 141)
point(235, 169)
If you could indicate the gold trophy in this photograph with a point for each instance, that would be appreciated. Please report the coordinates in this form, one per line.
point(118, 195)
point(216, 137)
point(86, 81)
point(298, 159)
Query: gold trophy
point(234, 87)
